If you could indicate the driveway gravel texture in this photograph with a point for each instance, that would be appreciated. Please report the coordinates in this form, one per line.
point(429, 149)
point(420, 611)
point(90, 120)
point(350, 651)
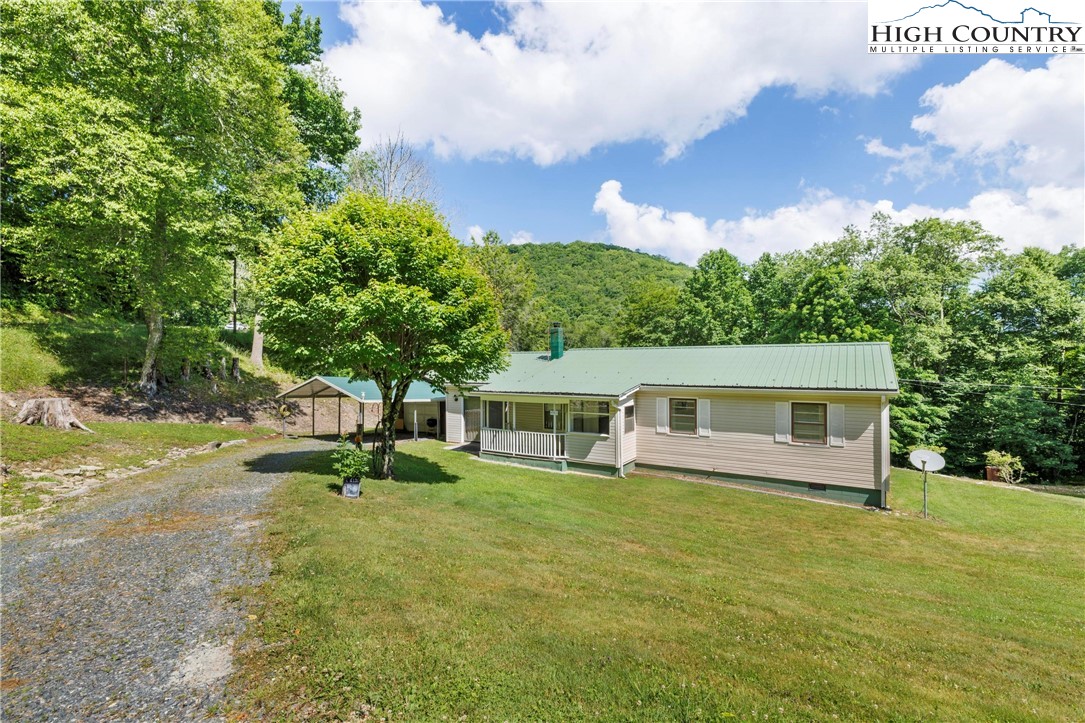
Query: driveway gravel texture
point(122, 605)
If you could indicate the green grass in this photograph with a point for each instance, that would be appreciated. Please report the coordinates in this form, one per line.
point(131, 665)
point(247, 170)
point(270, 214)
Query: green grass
point(494, 592)
point(23, 363)
point(113, 443)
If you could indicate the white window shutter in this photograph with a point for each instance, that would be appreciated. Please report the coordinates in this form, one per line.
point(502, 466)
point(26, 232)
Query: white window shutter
point(704, 418)
point(783, 422)
point(662, 423)
point(836, 425)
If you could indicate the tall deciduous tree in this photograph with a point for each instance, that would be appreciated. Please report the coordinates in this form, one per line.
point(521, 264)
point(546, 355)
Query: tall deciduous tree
point(715, 306)
point(514, 287)
point(327, 128)
point(142, 141)
point(823, 311)
point(393, 169)
point(649, 315)
point(380, 290)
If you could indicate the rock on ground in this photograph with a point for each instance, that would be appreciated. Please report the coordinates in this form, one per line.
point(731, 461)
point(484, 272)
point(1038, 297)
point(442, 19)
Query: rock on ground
point(117, 608)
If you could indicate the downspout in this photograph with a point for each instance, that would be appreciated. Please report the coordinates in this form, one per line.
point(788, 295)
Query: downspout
point(619, 429)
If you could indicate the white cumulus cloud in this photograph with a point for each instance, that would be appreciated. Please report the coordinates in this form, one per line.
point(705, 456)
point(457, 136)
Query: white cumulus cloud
point(1027, 124)
point(1048, 216)
point(560, 79)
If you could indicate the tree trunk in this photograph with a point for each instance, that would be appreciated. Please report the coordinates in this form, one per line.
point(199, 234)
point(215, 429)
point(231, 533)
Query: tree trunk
point(55, 412)
point(147, 382)
point(186, 369)
point(257, 344)
point(235, 370)
point(206, 370)
point(385, 436)
point(222, 368)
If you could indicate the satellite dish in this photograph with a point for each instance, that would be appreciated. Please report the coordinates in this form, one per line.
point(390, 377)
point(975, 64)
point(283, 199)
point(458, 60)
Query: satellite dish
point(926, 460)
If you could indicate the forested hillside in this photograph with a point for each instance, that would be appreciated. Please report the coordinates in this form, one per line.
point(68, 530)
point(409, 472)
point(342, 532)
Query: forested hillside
point(584, 285)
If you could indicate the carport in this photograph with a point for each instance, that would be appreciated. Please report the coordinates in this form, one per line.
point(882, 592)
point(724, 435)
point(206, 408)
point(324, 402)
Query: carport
point(421, 397)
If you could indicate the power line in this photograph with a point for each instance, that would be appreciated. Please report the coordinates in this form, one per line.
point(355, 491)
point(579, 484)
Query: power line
point(980, 394)
point(1003, 386)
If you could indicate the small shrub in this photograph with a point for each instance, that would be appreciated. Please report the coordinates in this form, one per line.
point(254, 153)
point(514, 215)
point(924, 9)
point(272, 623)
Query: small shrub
point(1010, 469)
point(350, 461)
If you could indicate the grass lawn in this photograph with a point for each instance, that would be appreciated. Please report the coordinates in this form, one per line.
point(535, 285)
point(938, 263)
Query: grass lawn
point(114, 444)
point(494, 592)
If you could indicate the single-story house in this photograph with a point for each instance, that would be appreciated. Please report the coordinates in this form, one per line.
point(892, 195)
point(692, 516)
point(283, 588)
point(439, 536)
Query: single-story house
point(810, 418)
point(423, 408)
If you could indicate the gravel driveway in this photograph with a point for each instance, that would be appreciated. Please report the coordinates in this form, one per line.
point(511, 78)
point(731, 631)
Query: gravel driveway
point(118, 607)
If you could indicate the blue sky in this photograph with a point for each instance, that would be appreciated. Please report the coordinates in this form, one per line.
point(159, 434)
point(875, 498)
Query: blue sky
point(751, 126)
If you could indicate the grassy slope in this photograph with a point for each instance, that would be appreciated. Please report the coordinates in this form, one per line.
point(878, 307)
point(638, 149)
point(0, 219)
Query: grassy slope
point(43, 348)
point(507, 593)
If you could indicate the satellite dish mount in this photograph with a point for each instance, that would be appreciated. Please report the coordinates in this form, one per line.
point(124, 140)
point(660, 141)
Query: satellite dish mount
point(927, 461)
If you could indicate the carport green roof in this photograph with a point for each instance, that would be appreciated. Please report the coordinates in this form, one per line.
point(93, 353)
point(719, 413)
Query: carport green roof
point(320, 387)
point(858, 367)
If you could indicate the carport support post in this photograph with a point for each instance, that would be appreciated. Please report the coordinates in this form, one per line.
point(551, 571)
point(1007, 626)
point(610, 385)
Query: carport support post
point(416, 424)
point(339, 416)
point(924, 489)
point(312, 413)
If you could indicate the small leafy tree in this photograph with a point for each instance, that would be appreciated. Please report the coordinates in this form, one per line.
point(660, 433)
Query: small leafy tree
point(1010, 469)
point(380, 290)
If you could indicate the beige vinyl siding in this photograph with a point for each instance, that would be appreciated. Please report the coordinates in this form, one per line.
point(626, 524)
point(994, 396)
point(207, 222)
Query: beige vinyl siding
point(593, 448)
point(742, 442)
point(453, 415)
point(529, 417)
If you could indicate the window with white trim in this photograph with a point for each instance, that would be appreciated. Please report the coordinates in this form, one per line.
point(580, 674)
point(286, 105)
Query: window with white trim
point(592, 417)
point(683, 416)
point(630, 420)
point(809, 423)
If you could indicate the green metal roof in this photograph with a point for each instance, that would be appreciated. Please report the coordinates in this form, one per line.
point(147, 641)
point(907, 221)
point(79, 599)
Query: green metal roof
point(360, 390)
point(859, 367)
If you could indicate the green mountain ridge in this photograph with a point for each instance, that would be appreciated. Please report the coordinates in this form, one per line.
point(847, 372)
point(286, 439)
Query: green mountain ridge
point(584, 284)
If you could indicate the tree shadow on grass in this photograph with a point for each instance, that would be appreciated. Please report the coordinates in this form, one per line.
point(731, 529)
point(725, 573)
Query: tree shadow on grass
point(410, 468)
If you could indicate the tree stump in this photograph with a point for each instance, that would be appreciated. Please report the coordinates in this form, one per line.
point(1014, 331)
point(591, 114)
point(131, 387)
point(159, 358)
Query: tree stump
point(235, 370)
point(56, 412)
point(222, 368)
point(186, 369)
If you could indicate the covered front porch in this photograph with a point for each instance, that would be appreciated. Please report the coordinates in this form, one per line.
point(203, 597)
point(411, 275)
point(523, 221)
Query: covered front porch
point(552, 430)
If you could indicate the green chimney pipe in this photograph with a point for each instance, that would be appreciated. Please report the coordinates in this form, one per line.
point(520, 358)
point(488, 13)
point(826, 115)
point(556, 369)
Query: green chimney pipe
point(557, 341)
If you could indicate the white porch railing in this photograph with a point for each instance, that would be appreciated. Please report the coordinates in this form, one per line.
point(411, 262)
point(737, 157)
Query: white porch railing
point(523, 444)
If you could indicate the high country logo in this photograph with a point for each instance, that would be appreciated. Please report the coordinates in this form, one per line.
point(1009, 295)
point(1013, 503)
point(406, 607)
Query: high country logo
point(974, 26)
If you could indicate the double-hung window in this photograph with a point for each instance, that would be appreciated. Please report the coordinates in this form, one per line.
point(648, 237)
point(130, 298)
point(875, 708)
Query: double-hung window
point(808, 423)
point(630, 420)
point(593, 417)
point(684, 416)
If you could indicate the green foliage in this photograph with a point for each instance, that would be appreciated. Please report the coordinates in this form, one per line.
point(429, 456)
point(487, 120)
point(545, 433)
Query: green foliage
point(494, 592)
point(649, 315)
point(143, 142)
point(1010, 469)
point(715, 306)
point(823, 310)
point(325, 126)
point(380, 290)
point(350, 460)
point(514, 286)
point(584, 285)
